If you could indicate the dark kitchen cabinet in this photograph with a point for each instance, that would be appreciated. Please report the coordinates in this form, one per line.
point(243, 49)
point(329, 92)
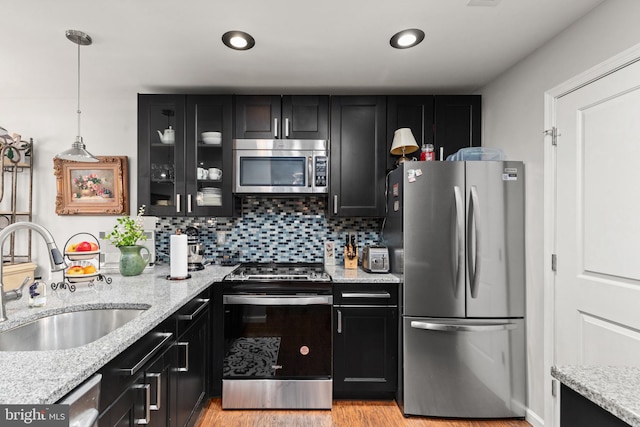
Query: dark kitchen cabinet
point(135, 385)
point(576, 410)
point(288, 116)
point(193, 358)
point(409, 111)
point(365, 340)
point(168, 181)
point(448, 121)
point(457, 123)
point(358, 156)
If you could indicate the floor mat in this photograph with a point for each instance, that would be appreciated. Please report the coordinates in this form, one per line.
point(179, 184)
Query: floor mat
point(252, 357)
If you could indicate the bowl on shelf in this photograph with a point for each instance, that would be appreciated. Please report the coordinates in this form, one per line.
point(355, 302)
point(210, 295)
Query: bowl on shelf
point(212, 138)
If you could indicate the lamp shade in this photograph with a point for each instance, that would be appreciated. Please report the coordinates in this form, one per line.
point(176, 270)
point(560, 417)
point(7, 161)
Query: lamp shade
point(403, 142)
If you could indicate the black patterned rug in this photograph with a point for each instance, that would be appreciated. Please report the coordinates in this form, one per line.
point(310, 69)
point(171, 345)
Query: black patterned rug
point(252, 357)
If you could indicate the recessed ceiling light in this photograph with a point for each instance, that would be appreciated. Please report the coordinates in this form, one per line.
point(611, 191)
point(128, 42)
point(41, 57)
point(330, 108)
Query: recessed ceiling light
point(238, 40)
point(407, 38)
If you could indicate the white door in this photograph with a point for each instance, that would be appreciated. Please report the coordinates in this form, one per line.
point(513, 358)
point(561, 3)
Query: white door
point(597, 285)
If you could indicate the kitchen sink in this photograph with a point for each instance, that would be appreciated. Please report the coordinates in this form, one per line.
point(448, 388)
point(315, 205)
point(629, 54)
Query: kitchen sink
point(66, 330)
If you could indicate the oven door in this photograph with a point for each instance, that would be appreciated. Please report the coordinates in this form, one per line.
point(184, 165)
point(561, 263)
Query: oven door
point(277, 336)
point(278, 352)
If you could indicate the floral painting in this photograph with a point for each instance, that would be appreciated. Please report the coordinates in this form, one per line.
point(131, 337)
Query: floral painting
point(92, 188)
point(92, 185)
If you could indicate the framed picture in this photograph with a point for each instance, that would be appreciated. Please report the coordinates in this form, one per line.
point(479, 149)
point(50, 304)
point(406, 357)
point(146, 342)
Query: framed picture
point(92, 188)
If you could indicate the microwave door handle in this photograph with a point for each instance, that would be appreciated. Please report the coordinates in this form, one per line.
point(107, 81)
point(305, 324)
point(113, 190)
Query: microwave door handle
point(310, 171)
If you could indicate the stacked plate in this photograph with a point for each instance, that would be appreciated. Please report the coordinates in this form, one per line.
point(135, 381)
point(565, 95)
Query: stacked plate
point(210, 196)
point(212, 138)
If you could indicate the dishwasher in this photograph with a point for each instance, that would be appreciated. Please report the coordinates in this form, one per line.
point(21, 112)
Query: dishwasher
point(83, 403)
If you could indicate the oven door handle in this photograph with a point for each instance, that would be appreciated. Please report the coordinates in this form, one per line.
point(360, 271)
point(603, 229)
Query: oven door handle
point(278, 300)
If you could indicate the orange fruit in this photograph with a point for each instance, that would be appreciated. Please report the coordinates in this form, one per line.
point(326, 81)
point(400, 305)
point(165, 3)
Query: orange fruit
point(94, 246)
point(76, 269)
point(89, 269)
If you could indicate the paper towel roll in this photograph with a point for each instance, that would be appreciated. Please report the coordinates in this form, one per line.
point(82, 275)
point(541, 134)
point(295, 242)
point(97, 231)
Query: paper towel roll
point(178, 256)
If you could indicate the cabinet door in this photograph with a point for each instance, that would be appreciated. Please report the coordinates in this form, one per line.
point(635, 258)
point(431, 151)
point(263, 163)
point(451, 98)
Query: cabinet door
point(157, 376)
point(305, 117)
point(128, 409)
point(457, 122)
point(409, 111)
point(365, 351)
point(161, 182)
point(209, 195)
point(358, 156)
point(192, 370)
point(257, 116)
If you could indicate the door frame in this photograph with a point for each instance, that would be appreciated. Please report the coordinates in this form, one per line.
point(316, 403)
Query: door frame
point(551, 96)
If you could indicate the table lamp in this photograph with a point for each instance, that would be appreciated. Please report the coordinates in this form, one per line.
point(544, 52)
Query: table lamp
point(403, 143)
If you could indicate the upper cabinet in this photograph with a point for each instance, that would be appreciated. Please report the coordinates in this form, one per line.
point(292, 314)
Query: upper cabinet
point(457, 122)
point(275, 116)
point(358, 156)
point(448, 121)
point(411, 111)
point(180, 173)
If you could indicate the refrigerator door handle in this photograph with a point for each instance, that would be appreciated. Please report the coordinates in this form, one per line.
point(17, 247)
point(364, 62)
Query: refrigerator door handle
point(473, 255)
point(459, 239)
point(462, 327)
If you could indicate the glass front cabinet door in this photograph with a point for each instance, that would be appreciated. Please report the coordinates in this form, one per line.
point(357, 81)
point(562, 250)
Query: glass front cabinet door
point(184, 148)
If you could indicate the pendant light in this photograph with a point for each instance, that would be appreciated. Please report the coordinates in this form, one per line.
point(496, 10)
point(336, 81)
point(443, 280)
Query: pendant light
point(77, 152)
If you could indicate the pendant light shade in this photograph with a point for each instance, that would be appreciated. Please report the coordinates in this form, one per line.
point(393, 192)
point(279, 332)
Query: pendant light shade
point(78, 152)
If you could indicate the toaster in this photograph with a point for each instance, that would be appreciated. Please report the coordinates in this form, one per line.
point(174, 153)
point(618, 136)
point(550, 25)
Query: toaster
point(375, 259)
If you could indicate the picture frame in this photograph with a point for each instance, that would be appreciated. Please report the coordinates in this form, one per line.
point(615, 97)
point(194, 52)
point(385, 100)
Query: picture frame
point(90, 188)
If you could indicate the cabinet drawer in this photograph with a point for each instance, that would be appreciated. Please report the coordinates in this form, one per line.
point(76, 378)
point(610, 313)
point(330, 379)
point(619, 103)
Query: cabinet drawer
point(187, 315)
point(365, 294)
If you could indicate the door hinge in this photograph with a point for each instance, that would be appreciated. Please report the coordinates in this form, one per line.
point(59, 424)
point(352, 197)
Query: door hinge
point(554, 388)
point(554, 135)
point(554, 262)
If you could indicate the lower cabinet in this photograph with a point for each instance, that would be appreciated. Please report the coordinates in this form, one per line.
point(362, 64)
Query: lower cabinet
point(191, 371)
point(161, 380)
point(135, 385)
point(577, 410)
point(365, 340)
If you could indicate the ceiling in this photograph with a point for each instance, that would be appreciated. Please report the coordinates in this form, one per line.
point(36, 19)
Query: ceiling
point(302, 46)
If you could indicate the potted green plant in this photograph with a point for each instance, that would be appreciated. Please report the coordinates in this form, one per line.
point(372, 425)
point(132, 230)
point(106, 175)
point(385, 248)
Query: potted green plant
point(125, 236)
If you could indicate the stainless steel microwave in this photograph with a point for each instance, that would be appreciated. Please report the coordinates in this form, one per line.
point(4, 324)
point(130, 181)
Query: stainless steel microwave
point(280, 166)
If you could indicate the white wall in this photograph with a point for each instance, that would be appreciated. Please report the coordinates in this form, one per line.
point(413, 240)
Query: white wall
point(513, 119)
point(109, 127)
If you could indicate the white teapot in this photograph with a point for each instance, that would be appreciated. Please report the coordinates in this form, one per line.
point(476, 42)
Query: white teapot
point(168, 137)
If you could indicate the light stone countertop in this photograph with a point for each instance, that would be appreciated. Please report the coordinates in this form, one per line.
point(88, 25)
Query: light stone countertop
point(339, 274)
point(43, 377)
point(613, 388)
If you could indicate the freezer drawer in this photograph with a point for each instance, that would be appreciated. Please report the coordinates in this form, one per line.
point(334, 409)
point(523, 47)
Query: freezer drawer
point(460, 368)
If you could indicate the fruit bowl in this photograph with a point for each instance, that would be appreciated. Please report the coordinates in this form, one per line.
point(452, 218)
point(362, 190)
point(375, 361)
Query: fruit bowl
point(82, 255)
point(80, 277)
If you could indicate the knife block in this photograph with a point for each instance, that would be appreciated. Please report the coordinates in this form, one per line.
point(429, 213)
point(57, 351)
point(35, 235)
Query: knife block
point(350, 263)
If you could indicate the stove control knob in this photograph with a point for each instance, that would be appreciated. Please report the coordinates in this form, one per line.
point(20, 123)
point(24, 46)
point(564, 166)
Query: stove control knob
point(313, 275)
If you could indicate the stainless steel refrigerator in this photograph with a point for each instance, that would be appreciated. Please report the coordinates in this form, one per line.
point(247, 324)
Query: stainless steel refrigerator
point(456, 232)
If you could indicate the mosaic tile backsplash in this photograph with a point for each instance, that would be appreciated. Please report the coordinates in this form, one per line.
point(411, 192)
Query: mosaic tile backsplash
point(272, 230)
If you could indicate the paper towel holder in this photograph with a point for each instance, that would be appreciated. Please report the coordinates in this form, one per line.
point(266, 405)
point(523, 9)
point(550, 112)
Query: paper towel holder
point(169, 277)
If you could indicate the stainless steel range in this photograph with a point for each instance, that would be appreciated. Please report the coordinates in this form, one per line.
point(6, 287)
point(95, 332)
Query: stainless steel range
point(277, 334)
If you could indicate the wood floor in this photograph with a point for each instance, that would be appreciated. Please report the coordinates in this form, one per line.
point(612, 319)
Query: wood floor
point(344, 413)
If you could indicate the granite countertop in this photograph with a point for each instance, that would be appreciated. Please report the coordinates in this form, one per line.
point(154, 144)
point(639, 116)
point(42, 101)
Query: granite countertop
point(339, 274)
point(42, 377)
point(613, 388)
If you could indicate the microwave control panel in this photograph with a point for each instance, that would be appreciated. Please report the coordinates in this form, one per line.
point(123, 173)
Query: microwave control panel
point(321, 171)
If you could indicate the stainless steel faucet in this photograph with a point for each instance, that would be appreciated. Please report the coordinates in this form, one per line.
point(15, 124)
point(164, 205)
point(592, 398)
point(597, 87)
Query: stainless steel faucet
point(55, 258)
